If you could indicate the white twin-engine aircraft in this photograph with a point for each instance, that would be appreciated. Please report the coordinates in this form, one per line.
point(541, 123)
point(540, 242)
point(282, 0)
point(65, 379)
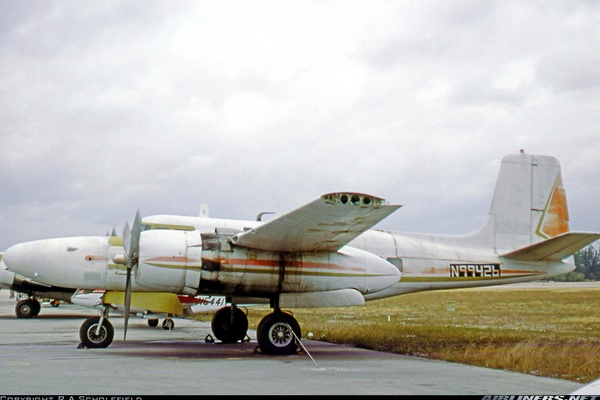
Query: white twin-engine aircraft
point(322, 254)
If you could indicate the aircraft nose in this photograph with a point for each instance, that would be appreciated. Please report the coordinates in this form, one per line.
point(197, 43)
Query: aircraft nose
point(65, 262)
point(20, 259)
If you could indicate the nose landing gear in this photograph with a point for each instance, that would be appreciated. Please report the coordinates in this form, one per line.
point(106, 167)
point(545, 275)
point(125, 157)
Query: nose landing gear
point(96, 332)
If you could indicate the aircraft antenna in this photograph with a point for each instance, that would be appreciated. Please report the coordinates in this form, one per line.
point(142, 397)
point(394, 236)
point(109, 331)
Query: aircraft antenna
point(259, 216)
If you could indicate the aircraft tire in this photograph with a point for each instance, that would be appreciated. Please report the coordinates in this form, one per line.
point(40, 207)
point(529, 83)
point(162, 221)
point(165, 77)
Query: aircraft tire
point(37, 307)
point(88, 337)
point(153, 322)
point(168, 324)
point(27, 308)
point(274, 333)
point(228, 329)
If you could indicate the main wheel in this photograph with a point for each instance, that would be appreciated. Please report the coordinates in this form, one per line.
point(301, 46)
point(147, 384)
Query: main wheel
point(88, 336)
point(152, 322)
point(275, 333)
point(27, 308)
point(37, 307)
point(229, 328)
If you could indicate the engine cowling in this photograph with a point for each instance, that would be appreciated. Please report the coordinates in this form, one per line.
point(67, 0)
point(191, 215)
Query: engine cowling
point(230, 269)
point(169, 261)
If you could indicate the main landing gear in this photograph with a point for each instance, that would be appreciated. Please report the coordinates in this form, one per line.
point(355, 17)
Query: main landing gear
point(28, 308)
point(229, 324)
point(278, 333)
point(168, 324)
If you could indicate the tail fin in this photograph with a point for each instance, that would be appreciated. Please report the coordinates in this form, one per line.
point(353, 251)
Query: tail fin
point(529, 204)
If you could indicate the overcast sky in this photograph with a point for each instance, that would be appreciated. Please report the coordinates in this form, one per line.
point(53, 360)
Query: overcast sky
point(108, 107)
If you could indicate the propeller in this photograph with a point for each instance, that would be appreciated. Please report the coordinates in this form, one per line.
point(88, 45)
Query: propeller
point(131, 243)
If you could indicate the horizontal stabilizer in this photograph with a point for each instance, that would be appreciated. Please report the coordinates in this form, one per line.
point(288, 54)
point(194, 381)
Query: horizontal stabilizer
point(326, 224)
point(152, 301)
point(555, 248)
point(333, 298)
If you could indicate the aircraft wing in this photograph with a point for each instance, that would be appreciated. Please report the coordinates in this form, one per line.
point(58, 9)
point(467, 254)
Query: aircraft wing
point(325, 224)
point(555, 248)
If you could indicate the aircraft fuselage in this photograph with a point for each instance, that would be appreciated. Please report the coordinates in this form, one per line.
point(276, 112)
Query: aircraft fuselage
point(189, 255)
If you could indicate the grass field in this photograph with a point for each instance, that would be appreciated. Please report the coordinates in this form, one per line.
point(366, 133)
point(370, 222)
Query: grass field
point(552, 332)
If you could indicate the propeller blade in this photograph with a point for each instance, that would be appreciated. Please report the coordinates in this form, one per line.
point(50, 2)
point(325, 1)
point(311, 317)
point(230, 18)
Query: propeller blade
point(134, 240)
point(127, 300)
point(131, 244)
point(126, 237)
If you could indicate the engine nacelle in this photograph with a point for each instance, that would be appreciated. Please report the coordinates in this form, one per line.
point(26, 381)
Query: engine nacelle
point(229, 269)
point(169, 261)
point(190, 262)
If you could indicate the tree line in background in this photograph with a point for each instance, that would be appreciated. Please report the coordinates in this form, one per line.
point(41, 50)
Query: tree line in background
point(587, 266)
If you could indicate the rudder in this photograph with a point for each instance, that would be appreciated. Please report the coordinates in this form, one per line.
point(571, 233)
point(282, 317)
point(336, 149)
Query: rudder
point(529, 203)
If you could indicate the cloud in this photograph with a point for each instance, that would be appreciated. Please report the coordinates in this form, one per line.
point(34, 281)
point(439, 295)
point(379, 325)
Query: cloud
point(116, 106)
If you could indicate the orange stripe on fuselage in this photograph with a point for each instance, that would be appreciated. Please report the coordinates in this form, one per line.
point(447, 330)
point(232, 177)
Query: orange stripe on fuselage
point(289, 264)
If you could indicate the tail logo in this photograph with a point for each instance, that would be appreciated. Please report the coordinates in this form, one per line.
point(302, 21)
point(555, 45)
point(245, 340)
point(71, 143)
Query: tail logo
point(555, 219)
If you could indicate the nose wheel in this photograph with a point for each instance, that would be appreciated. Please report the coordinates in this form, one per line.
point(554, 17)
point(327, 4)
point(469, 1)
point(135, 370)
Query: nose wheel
point(96, 332)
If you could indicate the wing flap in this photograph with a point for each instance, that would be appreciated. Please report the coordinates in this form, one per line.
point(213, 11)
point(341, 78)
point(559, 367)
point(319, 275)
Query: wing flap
point(555, 248)
point(325, 224)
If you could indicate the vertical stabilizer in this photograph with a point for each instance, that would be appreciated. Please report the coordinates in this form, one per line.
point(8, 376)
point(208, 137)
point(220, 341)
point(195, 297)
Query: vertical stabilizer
point(529, 203)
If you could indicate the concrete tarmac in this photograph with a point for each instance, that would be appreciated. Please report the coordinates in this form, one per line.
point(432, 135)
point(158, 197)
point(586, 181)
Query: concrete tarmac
point(39, 356)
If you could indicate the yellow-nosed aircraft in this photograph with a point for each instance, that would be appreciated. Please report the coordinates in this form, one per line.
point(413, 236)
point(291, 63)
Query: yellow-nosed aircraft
point(322, 254)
